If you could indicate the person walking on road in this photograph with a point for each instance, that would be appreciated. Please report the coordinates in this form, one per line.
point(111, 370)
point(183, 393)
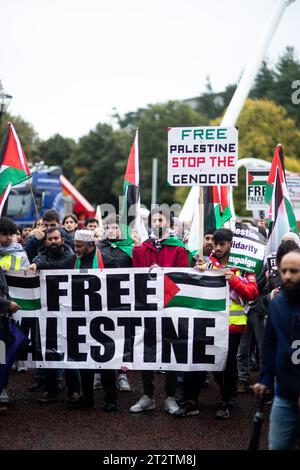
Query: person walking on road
point(90, 257)
point(243, 288)
point(164, 251)
point(281, 355)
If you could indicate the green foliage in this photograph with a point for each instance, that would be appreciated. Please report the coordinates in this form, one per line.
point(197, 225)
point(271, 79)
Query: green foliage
point(153, 123)
point(262, 125)
point(95, 164)
point(58, 150)
point(276, 84)
point(27, 135)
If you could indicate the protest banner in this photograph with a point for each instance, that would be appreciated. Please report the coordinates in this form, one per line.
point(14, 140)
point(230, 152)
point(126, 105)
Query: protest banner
point(169, 319)
point(247, 249)
point(202, 156)
point(271, 261)
point(293, 185)
point(256, 188)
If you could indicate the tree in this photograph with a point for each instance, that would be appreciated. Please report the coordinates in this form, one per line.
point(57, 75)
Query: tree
point(26, 133)
point(153, 123)
point(276, 84)
point(93, 164)
point(262, 125)
point(264, 85)
point(58, 150)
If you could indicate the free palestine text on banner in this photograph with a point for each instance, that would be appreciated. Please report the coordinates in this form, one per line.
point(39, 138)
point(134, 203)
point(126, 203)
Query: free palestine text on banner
point(169, 319)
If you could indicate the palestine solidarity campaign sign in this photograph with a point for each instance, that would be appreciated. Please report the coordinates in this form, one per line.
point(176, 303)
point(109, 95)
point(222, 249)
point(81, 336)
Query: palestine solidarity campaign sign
point(247, 249)
point(169, 319)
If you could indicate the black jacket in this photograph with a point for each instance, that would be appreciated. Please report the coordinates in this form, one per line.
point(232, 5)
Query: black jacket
point(121, 259)
point(33, 245)
point(4, 303)
point(63, 259)
point(108, 261)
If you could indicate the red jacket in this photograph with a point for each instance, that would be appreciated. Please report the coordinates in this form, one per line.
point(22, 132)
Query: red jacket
point(167, 257)
point(244, 286)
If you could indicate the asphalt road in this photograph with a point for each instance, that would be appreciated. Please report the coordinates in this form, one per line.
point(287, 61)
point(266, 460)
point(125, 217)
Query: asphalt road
point(28, 425)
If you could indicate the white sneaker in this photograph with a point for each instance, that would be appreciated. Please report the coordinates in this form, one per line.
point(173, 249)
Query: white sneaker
point(20, 366)
point(170, 405)
point(123, 383)
point(145, 403)
point(97, 382)
point(4, 398)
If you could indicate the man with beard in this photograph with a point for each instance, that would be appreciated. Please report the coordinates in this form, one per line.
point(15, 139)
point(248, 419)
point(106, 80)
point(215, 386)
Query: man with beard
point(281, 355)
point(164, 251)
point(35, 240)
point(55, 254)
point(121, 251)
point(90, 257)
point(243, 288)
point(208, 244)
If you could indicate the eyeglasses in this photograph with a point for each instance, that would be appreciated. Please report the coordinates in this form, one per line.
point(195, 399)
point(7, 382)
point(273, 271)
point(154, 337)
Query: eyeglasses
point(291, 270)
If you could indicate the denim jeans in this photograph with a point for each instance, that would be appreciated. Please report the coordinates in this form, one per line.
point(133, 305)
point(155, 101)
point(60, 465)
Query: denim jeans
point(283, 421)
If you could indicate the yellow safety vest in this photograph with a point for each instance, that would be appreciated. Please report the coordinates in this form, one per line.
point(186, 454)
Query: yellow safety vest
point(10, 262)
point(237, 315)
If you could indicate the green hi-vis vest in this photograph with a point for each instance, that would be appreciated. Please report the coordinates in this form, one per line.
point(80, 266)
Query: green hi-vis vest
point(10, 262)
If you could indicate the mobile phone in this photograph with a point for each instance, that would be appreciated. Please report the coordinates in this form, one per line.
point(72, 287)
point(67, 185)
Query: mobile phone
point(261, 214)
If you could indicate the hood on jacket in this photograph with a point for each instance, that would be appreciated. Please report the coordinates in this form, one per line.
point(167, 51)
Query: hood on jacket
point(15, 249)
point(12, 248)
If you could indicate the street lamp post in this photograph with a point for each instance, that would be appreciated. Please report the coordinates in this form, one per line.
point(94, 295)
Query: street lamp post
point(5, 99)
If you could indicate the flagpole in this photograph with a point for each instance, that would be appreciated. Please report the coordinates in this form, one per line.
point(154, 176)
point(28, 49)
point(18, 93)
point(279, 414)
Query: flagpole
point(201, 221)
point(35, 206)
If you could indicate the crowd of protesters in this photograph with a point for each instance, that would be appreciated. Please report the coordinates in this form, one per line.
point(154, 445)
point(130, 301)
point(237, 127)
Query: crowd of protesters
point(264, 319)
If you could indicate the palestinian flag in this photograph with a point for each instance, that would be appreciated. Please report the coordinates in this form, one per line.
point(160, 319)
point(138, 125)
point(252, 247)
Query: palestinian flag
point(14, 167)
point(200, 291)
point(257, 177)
point(24, 290)
point(281, 216)
point(130, 213)
point(216, 213)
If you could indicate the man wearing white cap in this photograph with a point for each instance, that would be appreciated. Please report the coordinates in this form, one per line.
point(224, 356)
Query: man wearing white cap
point(89, 257)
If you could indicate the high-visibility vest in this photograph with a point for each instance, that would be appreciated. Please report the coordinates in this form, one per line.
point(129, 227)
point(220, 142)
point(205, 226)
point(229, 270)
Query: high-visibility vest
point(10, 262)
point(237, 314)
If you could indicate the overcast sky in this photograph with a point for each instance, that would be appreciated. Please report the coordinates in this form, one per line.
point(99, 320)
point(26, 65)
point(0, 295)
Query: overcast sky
point(68, 63)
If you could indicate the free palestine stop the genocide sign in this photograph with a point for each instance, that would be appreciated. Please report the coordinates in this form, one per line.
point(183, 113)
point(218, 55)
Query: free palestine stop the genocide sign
point(202, 156)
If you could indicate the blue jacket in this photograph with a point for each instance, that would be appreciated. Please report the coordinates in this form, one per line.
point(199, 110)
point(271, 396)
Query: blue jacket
point(281, 348)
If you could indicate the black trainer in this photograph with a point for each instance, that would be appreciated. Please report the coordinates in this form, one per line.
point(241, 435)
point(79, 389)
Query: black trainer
point(108, 407)
point(187, 409)
point(47, 398)
point(222, 411)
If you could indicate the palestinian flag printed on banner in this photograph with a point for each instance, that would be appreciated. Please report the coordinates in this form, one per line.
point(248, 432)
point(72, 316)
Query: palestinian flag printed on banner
point(281, 216)
point(256, 186)
point(216, 213)
point(130, 213)
point(14, 167)
point(206, 291)
point(25, 291)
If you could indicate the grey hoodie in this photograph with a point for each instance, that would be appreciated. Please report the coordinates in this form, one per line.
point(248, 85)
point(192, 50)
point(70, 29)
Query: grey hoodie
point(13, 257)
